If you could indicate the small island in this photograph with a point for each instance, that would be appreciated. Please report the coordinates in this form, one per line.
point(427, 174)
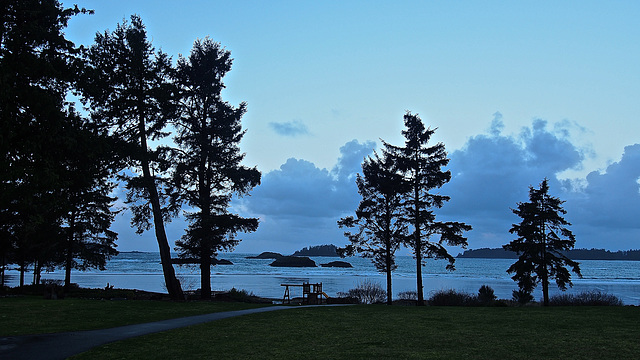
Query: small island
point(338, 264)
point(266, 255)
point(293, 261)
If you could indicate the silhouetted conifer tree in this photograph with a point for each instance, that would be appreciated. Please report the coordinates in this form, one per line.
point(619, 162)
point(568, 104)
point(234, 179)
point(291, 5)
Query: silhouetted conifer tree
point(379, 222)
point(542, 236)
point(38, 67)
point(421, 168)
point(129, 89)
point(208, 169)
point(90, 166)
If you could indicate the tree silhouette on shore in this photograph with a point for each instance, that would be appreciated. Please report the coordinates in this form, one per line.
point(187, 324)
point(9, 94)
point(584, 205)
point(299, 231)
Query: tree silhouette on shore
point(207, 164)
point(542, 236)
point(421, 168)
point(129, 90)
point(380, 227)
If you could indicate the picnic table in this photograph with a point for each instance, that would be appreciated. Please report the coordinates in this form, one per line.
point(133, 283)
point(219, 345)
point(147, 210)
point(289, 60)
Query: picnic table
point(311, 293)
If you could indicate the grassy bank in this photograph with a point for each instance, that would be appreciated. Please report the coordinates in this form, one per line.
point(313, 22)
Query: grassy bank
point(381, 332)
point(33, 315)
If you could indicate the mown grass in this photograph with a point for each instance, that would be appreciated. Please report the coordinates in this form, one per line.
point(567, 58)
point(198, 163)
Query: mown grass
point(33, 315)
point(381, 332)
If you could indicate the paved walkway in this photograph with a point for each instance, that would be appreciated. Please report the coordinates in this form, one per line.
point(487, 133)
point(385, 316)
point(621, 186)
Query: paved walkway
point(60, 346)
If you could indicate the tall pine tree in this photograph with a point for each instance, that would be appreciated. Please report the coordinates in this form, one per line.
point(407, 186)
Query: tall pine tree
point(542, 237)
point(379, 222)
point(129, 89)
point(208, 169)
point(421, 168)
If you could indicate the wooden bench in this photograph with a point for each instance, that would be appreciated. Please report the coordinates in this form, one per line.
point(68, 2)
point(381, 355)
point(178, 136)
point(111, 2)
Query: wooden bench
point(311, 293)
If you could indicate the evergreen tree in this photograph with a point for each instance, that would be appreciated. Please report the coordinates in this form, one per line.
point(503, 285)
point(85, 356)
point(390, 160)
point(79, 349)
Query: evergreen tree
point(421, 168)
point(208, 169)
point(90, 165)
point(380, 228)
point(542, 237)
point(129, 89)
point(38, 67)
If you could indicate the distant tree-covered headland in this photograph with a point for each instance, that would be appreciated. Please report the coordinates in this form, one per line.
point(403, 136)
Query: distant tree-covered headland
point(319, 250)
point(578, 254)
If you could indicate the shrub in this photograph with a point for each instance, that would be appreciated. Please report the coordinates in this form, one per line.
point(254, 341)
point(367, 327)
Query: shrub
point(586, 298)
point(451, 298)
point(366, 292)
point(522, 297)
point(240, 295)
point(408, 295)
point(486, 295)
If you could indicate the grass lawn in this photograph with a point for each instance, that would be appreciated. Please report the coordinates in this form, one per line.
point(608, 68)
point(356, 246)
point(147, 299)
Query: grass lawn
point(381, 332)
point(33, 315)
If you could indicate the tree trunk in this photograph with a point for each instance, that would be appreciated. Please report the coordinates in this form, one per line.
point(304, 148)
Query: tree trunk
point(21, 274)
point(388, 264)
point(418, 244)
point(205, 275)
point(173, 285)
point(389, 292)
point(4, 263)
point(69, 259)
point(418, 251)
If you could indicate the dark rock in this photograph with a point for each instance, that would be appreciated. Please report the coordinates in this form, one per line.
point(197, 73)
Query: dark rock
point(293, 261)
point(266, 255)
point(221, 262)
point(339, 264)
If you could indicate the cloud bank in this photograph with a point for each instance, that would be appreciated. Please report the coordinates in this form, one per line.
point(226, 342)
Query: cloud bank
point(299, 203)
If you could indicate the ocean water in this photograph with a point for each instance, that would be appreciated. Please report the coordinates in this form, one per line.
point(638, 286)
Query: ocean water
point(142, 270)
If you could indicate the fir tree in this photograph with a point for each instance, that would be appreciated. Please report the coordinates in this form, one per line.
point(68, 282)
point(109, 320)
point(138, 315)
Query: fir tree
point(380, 227)
point(208, 169)
point(421, 168)
point(542, 237)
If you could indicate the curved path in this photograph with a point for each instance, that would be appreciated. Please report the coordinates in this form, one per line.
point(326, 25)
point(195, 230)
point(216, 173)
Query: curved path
point(58, 346)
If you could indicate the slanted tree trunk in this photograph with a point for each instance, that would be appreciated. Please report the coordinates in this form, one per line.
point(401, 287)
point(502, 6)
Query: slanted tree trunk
point(173, 285)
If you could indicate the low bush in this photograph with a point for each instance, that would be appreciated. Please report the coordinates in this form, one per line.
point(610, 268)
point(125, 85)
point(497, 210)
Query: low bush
point(451, 298)
point(522, 297)
point(408, 295)
point(486, 295)
point(586, 298)
point(366, 292)
point(241, 295)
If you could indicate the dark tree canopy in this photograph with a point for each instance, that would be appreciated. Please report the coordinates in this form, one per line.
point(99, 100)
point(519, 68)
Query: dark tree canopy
point(42, 140)
point(129, 89)
point(208, 168)
point(379, 223)
point(420, 165)
point(542, 238)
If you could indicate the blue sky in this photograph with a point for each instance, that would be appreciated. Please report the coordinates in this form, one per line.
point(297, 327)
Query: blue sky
point(519, 91)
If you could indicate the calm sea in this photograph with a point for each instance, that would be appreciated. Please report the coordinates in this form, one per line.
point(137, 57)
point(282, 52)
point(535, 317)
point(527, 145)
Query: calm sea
point(143, 271)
